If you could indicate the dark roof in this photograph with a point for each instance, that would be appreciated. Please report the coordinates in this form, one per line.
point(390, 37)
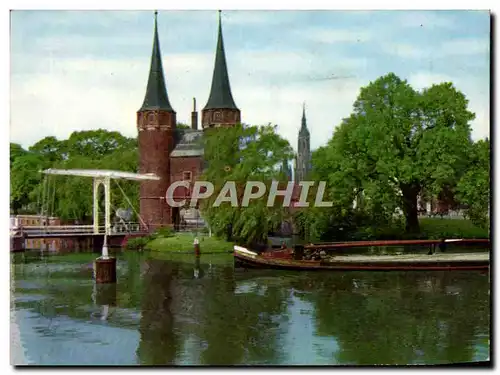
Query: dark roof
point(190, 144)
point(220, 93)
point(156, 92)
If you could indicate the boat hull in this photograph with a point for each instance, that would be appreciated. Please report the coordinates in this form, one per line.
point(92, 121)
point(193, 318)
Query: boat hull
point(437, 262)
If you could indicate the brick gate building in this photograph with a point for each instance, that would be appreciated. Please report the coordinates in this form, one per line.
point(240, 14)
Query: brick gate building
point(177, 154)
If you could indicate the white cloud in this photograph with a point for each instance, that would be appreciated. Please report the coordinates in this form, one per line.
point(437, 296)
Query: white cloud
point(331, 36)
point(84, 94)
point(449, 48)
point(82, 43)
point(59, 96)
point(293, 66)
point(423, 80)
point(326, 104)
point(406, 51)
point(248, 17)
point(76, 96)
point(427, 20)
point(466, 46)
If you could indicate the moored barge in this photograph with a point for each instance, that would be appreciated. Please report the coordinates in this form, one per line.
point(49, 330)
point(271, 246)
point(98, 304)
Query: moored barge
point(293, 259)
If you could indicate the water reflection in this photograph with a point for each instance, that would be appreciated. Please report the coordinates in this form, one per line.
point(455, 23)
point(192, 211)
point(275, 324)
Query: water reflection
point(159, 343)
point(186, 310)
point(401, 318)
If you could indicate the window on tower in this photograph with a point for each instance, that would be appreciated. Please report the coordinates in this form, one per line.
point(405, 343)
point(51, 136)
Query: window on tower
point(186, 176)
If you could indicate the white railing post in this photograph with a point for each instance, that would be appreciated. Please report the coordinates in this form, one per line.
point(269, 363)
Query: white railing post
point(95, 207)
point(105, 254)
point(107, 203)
point(107, 216)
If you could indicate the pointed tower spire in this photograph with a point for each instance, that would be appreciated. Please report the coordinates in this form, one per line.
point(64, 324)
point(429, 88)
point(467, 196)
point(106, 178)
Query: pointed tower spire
point(156, 93)
point(220, 93)
point(303, 127)
point(303, 160)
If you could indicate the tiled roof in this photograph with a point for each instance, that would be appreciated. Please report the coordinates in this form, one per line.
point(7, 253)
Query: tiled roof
point(190, 144)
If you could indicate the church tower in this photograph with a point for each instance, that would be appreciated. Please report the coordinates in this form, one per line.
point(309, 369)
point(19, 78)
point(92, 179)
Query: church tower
point(303, 160)
point(220, 110)
point(156, 121)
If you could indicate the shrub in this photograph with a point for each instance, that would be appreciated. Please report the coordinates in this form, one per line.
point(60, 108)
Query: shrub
point(163, 232)
point(138, 242)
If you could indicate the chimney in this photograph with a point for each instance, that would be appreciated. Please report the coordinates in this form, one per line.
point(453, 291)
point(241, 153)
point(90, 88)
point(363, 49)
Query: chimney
point(194, 116)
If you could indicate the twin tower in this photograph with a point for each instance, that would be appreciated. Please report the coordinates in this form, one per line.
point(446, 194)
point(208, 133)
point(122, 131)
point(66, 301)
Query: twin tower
point(158, 136)
point(174, 154)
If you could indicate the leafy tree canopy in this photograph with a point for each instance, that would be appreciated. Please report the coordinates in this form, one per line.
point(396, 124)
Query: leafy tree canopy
point(66, 196)
point(241, 154)
point(396, 142)
point(473, 189)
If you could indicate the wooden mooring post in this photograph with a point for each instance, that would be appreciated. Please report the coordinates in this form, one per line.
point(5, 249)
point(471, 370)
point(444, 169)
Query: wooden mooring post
point(105, 266)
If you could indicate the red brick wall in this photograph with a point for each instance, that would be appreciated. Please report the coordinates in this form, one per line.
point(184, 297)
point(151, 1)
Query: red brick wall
point(156, 142)
point(178, 166)
point(224, 117)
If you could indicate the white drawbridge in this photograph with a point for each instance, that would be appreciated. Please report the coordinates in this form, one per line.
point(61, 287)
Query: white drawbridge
point(104, 177)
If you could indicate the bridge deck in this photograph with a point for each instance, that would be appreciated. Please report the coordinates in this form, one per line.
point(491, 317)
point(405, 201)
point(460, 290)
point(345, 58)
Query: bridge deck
point(59, 231)
point(81, 234)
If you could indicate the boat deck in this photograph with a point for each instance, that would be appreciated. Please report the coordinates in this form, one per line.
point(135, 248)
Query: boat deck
point(437, 257)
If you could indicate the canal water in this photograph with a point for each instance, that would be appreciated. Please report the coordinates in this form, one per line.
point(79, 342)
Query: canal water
point(178, 310)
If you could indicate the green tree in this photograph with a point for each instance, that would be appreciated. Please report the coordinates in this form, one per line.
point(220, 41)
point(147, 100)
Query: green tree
point(97, 143)
point(24, 177)
point(241, 154)
point(181, 125)
point(473, 189)
point(67, 196)
point(16, 150)
point(74, 195)
point(397, 142)
point(51, 149)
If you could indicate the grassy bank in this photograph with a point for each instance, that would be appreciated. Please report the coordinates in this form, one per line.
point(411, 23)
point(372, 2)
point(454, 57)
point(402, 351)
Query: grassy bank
point(183, 243)
point(434, 228)
point(431, 228)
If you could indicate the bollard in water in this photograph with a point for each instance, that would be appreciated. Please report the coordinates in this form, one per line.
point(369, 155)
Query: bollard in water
point(196, 244)
point(105, 270)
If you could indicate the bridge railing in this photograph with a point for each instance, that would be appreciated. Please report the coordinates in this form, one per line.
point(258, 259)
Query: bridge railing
point(57, 228)
point(76, 229)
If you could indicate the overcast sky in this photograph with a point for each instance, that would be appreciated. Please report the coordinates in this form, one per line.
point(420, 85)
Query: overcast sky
point(82, 70)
